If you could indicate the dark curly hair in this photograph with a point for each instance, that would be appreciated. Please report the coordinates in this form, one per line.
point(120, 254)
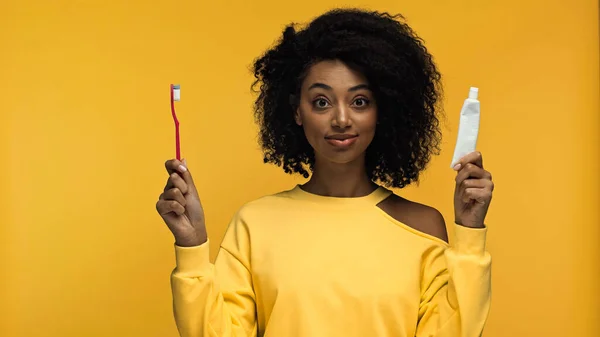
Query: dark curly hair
point(403, 77)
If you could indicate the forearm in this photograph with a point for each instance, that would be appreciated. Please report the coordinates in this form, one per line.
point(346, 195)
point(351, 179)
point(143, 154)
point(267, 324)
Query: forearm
point(192, 284)
point(462, 297)
point(200, 307)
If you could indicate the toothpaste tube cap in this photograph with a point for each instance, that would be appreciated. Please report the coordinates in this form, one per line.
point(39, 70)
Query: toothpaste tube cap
point(473, 92)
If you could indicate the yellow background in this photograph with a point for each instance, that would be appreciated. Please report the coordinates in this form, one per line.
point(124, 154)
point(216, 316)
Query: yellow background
point(86, 127)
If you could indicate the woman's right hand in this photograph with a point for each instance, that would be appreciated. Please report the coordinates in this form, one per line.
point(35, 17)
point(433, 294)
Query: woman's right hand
point(179, 206)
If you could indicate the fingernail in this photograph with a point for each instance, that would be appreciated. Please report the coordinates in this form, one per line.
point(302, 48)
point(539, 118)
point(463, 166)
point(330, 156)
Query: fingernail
point(457, 167)
point(182, 168)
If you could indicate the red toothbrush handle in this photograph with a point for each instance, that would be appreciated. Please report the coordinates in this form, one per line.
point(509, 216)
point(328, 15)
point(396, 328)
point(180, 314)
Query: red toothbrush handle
point(177, 142)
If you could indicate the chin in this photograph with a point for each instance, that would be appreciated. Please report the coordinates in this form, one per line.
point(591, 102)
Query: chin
point(342, 158)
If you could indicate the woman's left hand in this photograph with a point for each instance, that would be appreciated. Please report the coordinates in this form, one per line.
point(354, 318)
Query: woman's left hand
point(473, 192)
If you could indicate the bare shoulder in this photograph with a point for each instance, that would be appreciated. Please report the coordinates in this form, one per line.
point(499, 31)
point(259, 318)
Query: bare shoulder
point(421, 217)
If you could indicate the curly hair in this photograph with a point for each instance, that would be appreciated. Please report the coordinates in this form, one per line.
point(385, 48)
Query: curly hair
point(402, 75)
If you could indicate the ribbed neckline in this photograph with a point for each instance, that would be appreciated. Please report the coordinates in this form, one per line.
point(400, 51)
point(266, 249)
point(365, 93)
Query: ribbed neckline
point(373, 198)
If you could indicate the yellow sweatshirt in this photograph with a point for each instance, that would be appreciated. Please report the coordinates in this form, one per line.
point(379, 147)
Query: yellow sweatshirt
point(296, 264)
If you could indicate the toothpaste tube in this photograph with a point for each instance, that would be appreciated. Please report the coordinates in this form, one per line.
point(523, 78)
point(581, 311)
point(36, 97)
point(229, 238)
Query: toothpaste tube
point(468, 128)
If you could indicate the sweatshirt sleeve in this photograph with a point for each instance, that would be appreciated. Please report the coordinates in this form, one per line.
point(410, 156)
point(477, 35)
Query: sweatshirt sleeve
point(456, 292)
point(215, 300)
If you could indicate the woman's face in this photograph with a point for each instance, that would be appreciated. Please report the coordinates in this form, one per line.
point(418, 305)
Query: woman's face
point(337, 111)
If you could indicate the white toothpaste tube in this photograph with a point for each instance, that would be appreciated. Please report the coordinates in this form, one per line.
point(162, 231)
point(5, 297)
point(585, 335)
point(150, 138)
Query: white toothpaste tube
point(468, 128)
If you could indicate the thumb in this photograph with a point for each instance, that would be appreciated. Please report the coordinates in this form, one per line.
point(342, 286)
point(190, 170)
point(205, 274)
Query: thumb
point(187, 177)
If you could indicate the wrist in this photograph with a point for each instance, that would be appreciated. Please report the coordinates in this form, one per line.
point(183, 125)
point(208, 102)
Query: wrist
point(469, 225)
point(190, 241)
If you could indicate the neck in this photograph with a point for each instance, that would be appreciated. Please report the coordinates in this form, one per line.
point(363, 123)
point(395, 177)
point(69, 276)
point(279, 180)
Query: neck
point(340, 180)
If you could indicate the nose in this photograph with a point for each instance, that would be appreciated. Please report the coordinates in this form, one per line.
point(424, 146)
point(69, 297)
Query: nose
point(341, 118)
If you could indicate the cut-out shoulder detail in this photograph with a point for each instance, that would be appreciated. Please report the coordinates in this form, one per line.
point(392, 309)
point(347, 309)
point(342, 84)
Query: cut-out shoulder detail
point(420, 217)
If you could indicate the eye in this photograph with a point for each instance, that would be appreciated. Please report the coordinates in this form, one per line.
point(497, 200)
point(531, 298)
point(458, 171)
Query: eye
point(320, 103)
point(361, 102)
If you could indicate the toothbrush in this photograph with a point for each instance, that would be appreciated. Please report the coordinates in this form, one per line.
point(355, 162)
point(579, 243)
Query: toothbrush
point(176, 97)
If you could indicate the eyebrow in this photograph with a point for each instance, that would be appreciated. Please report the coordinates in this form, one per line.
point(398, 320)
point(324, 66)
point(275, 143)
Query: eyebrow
point(326, 87)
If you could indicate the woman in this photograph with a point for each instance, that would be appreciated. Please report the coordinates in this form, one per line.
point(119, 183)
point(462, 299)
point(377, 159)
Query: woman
point(352, 100)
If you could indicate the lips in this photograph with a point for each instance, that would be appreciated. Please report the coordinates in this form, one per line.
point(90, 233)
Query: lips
point(341, 141)
point(341, 136)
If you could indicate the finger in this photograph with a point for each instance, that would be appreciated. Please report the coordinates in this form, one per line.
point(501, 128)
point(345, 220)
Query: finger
point(165, 207)
point(474, 158)
point(175, 165)
point(174, 194)
point(479, 195)
point(475, 183)
point(470, 171)
point(175, 181)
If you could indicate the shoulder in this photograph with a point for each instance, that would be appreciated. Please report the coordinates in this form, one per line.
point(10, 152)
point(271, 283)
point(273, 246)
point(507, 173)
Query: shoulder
point(259, 215)
point(255, 213)
point(420, 217)
point(264, 205)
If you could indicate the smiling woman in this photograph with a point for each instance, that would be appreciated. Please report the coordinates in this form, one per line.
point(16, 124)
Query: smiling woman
point(351, 99)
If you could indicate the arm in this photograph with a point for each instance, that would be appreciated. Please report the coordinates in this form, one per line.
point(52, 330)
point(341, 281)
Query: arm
point(456, 292)
point(215, 300)
point(456, 280)
point(209, 300)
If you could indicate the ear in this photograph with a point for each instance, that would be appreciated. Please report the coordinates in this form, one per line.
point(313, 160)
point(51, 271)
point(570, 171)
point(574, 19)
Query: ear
point(298, 117)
